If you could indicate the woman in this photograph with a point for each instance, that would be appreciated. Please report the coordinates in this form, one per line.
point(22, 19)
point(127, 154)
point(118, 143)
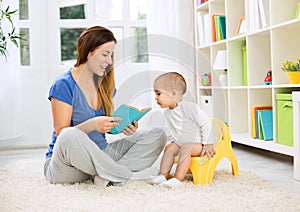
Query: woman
point(81, 101)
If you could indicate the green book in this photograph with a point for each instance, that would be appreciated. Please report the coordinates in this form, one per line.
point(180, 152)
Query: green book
point(128, 114)
point(245, 74)
point(260, 130)
point(297, 11)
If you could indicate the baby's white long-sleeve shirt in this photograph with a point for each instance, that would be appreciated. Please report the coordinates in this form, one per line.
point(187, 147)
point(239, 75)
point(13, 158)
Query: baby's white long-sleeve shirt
point(189, 123)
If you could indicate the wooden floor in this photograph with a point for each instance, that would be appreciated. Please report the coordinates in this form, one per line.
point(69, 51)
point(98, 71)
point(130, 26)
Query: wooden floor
point(276, 168)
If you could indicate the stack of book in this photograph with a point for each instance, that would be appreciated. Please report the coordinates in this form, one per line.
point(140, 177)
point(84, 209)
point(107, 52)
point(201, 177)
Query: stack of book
point(210, 28)
point(259, 10)
point(262, 122)
point(204, 28)
point(218, 27)
point(198, 2)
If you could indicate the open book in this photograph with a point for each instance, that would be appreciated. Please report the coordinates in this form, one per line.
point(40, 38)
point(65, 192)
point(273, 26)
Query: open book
point(128, 114)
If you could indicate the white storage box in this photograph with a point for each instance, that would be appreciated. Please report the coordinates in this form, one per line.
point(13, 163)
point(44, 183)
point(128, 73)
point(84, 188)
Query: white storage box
point(206, 105)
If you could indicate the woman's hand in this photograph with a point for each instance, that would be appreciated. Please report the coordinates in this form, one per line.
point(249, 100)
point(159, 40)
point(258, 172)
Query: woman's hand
point(104, 123)
point(130, 129)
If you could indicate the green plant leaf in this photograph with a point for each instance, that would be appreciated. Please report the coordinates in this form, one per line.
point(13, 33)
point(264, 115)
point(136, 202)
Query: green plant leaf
point(12, 36)
point(7, 8)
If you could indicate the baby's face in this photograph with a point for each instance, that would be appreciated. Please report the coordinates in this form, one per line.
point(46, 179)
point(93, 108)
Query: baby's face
point(163, 96)
point(163, 99)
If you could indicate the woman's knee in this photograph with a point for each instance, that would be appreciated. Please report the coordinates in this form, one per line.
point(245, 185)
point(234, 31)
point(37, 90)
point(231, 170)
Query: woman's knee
point(69, 135)
point(67, 132)
point(160, 135)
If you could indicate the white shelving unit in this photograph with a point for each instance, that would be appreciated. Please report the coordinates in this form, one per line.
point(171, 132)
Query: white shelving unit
point(296, 107)
point(267, 48)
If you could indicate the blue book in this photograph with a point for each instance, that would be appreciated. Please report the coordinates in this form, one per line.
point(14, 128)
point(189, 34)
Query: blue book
point(223, 27)
point(128, 114)
point(256, 124)
point(266, 124)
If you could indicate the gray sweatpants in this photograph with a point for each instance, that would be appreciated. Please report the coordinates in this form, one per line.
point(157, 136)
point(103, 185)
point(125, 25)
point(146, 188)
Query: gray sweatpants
point(76, 157)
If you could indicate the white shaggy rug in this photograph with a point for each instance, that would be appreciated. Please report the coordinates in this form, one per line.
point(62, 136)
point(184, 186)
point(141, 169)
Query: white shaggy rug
point(23, 188)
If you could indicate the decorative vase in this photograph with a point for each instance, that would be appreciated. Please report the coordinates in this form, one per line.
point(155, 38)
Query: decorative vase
point(294, 77)
point(223, 78)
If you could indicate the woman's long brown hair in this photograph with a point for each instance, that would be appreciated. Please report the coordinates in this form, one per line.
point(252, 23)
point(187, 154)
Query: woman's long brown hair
point(87, 42)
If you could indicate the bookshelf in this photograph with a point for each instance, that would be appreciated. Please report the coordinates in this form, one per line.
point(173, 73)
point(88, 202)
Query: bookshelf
point(271, 37)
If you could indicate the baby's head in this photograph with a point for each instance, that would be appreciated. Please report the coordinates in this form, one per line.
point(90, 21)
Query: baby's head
point(172, 86)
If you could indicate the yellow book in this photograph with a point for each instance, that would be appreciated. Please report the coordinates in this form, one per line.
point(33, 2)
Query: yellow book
point(218, 28)
point(253, 121)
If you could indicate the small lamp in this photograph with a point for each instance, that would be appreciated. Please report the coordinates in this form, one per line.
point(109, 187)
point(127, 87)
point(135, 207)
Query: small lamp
point(221, 64)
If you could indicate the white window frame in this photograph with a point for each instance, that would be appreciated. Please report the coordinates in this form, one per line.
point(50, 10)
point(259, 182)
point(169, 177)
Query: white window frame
point(125, 24)
point(44, 30)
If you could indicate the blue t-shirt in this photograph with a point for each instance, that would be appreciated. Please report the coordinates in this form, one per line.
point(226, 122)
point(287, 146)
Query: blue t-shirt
point(66, 90)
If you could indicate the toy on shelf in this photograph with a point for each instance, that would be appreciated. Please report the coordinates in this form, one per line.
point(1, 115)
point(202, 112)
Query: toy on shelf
point(268, 78)
point(206, 79)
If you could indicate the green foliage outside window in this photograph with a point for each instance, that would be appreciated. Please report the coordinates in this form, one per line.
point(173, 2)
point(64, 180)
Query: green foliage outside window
point(25, 47)
point(141, 46)
point(69, 36)
point(74, 12)
point(23, 8)
point(69, 43)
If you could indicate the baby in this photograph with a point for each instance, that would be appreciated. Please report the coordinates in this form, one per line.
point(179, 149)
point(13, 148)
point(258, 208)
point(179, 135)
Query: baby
point(190, 127)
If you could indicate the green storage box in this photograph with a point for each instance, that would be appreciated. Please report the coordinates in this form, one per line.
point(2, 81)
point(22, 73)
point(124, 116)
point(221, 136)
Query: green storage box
point(245, 74)
point(284, 119)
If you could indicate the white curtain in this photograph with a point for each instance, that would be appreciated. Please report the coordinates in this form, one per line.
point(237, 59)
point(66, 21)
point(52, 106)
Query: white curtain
point(170, 29)
point(10, 96)
point(171, 39)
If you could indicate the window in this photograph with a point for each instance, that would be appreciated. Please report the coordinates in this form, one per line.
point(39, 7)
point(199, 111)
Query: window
point(138, 10)
point(68, 45)
point(24, 31)
point(23, 10)
point(140, 54)
point(109, 9)
point(24, 47)
point(125, 18)
point(75, 12)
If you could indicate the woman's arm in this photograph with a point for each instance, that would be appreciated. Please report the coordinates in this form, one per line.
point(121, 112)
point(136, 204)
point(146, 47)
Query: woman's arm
point(62, 113)
point(101, 124)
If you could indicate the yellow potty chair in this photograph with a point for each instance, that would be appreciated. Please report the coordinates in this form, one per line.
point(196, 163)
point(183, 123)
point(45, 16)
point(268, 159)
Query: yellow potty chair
point(202, 168)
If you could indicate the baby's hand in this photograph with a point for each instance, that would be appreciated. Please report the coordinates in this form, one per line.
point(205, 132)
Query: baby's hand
point(208, 149)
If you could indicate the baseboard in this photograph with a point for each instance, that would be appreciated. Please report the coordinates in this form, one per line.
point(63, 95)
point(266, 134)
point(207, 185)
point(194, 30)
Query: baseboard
point(22, 147)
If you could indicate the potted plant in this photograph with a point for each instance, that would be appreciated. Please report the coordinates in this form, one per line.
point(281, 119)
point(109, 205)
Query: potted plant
point(293, 70)
point(7, 34)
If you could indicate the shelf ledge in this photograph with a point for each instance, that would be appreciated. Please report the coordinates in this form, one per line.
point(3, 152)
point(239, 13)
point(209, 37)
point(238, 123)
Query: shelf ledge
point(266, 145)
